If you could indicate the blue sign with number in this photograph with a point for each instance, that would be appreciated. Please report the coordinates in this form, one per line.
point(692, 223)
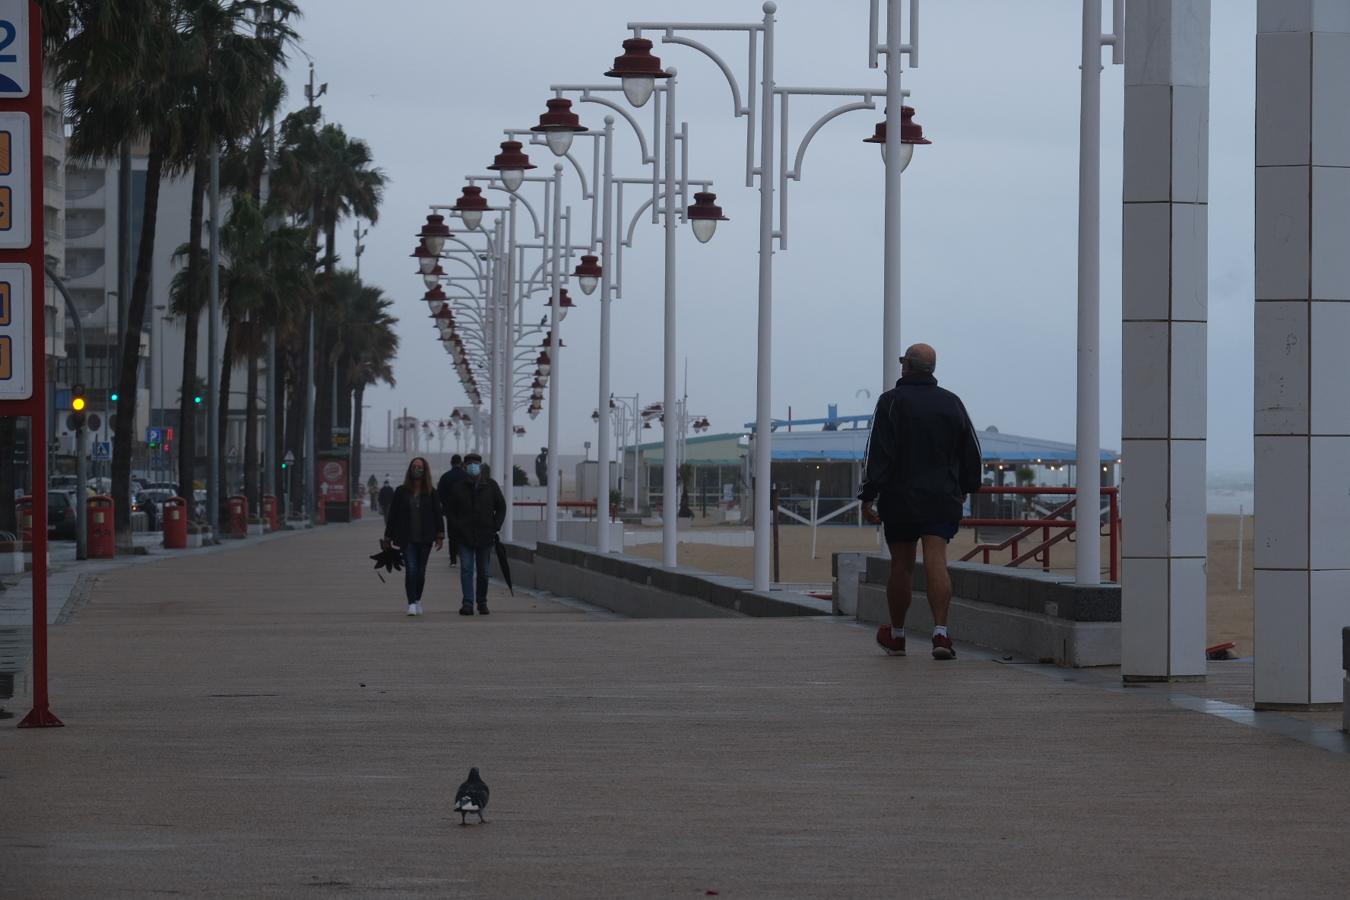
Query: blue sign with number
point(14, 75)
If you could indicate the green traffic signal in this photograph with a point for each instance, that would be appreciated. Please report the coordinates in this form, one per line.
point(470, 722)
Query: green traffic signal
point(113, 398)
point(197, 399)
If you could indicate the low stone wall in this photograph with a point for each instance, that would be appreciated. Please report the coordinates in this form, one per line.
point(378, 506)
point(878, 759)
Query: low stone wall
point(643, 588)
point(1024, 613)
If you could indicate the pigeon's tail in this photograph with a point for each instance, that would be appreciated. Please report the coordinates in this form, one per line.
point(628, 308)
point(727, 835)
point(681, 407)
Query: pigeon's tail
point(466, 804)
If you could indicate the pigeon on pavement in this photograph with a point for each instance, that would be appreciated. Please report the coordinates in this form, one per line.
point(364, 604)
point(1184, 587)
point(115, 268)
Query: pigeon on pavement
point(472, 797)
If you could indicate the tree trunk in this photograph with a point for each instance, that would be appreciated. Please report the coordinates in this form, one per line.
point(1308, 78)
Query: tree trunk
point(187, 410)
point(358, 397)
point(251, 471)
point(128, 380)
point(223, 422)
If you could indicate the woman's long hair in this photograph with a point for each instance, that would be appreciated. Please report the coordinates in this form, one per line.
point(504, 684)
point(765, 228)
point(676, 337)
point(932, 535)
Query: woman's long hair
point(416, 486)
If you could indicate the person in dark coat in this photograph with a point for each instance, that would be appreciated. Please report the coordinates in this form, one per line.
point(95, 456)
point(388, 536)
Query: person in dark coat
point(475, 514)
point(373, 491)
point(413, 524)
point(454, 473)
point(386, 497)
point(923, 458)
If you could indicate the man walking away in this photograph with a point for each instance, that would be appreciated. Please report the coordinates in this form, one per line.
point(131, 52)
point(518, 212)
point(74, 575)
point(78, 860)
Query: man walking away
point(373, 490)
point(475, 513)
point(923, 457)
point(386, 497)
point(454, 473)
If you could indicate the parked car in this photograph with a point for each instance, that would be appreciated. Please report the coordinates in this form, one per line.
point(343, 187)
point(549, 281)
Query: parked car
point(61, 515)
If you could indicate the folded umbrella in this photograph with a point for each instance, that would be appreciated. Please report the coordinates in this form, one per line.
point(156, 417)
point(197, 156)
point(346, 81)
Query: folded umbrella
point(505, 565)
point(389, 559)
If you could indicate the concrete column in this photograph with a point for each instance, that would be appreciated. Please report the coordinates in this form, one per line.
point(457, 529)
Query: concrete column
point(1302, 369)
point(1165, 312)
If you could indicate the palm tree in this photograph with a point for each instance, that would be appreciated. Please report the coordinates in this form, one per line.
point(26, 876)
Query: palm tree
point(241, 45)
point(365, 348)
point(324, 176)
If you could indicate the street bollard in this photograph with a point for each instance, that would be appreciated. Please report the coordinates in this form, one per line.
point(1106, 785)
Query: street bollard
point(175, 523)
point(23, 514)
point(101, 541)
point(269, 511)
point(238, 516)
point(356, 509)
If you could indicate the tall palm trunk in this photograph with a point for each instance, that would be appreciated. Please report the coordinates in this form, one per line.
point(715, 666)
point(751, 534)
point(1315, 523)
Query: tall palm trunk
point(187, 410)
point(358, 397)
point(251, 488)
point(223, 422)
point(128, 380)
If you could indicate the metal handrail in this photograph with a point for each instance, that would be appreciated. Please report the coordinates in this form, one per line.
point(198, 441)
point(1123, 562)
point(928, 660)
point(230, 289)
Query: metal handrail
point(1041, 551)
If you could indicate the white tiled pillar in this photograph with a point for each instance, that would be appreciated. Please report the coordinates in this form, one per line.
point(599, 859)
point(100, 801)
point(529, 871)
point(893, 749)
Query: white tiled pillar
point(1302, 366)
point(1165, 311)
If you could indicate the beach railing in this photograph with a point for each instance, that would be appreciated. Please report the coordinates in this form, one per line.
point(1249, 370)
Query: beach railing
point(1052, 528)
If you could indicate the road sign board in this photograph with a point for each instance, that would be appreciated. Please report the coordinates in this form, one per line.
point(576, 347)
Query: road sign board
point(289, 458)
point(154, 435)
point(16, 335)
point(102, 451)
point(14, 61)
point(16, 213)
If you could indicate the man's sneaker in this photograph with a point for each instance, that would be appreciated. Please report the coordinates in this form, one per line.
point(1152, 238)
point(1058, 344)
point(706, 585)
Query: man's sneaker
point(893, 646)
point(412, 609)
point(418, 607)
point(466, 609)
point(942, 647)
point(482, 609)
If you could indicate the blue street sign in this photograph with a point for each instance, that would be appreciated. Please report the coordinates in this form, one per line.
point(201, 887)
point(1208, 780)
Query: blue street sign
point(102, 451)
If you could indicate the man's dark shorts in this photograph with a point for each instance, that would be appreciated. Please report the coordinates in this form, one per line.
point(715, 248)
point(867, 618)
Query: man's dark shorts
point(910, 532)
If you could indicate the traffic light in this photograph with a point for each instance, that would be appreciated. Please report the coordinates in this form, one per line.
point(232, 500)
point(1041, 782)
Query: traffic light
point(285, 465)
point(77, 405)
point(197, 399)
point(113, 396)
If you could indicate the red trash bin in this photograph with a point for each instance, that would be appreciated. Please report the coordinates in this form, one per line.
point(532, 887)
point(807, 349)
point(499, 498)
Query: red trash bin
point(175, 523)
point(269, 511)
point(99, 525)
point(238, 515)
point(23, 514)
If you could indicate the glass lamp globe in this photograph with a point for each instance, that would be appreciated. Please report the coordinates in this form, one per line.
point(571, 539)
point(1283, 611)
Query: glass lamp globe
point(472, 218)
point(703, 229)
point(587, 283)
point(434, 244)
point(512, 179)
point(638, 89)
point(559, 141)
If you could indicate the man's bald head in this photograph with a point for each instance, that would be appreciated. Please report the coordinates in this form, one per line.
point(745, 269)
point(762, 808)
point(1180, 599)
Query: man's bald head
point(919, 359)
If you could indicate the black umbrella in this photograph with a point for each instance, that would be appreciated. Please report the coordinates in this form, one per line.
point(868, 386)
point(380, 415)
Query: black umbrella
point(505, 565)
point(388, 559)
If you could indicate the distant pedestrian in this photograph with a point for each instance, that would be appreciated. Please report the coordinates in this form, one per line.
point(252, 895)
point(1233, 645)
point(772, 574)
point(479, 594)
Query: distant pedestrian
point(373, 490)
point(386, 497)
point(475, 513)
point(454, 473)
point(923, 458)
point(414, 523)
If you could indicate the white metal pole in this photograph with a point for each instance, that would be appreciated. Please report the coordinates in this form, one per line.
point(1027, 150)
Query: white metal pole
point(498, 367)
point(602, 451)
point(637, 448)
point(764, 366)
point(1087, 509)
point(507, 477)
point(1242, 540)
point(555, 357)
point(669, 507)
point(890, 315)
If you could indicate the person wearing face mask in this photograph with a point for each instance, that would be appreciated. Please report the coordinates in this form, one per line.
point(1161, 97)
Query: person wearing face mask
point(413, 524)
point(453, 474)
point(475, 513)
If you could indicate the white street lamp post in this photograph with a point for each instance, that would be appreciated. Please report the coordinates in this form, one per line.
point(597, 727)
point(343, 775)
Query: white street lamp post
point(555, 357)
point(1087, 508)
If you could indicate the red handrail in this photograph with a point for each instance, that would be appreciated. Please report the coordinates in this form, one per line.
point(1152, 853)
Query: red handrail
point(1028, 526)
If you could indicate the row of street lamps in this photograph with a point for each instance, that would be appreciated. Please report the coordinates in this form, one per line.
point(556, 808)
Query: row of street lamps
point(483, 342)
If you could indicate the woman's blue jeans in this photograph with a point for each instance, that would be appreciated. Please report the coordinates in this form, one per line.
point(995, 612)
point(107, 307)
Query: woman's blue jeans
point(415, 558)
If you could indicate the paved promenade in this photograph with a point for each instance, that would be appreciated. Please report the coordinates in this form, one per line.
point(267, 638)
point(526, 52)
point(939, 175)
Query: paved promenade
point(263, 721)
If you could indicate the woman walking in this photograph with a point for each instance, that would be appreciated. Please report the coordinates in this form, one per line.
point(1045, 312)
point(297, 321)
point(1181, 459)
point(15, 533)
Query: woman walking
point(414, 522)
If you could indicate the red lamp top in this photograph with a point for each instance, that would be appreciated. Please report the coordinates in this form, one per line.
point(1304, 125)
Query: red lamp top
point(472, 198)
point(705, 207)
point(559, 117)
point(637, 61)
point(911, 132)
point(511, 157)
point(589, 267)
point(434, 227)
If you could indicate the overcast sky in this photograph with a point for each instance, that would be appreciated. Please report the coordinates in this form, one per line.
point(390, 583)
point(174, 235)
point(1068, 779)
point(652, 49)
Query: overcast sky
point(990, 209)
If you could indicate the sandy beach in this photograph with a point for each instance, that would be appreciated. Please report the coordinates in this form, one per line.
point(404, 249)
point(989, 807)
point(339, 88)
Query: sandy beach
point(1229, 611)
